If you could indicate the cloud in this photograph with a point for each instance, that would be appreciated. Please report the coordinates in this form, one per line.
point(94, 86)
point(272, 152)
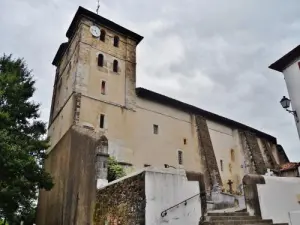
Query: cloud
point(213, 54)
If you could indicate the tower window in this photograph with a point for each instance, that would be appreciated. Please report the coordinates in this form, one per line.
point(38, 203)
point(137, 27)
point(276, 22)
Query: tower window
point(115, 66)
point(102, 121)
point(180, 158)
point(103, 87)
point(116, 41)
point(100, 60)
point(102, 35)
point(221, 164)
point(155, 129)
point(184, 141)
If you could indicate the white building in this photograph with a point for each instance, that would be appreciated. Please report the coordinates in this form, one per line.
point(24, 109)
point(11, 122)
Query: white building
point(289, 65)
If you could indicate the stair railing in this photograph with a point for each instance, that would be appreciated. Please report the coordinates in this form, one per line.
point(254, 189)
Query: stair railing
point(165, 212)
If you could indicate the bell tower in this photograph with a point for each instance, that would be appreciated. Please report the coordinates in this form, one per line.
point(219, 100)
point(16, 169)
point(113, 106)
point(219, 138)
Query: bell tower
point(97, 66)
point(94, 87)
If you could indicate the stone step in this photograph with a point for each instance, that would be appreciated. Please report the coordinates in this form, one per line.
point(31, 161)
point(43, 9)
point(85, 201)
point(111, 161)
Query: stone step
point(228, 214)
point(213, 218)
point(239, 222)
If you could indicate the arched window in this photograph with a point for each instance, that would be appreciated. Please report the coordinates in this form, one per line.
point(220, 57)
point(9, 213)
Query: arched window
point(103, 87)
point(102, 35)
point(232, 155)
point(115, 66)
point(116, 41)
point(100, 60)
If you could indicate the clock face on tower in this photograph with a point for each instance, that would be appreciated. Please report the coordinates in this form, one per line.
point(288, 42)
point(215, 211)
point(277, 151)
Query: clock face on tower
point(95, 31)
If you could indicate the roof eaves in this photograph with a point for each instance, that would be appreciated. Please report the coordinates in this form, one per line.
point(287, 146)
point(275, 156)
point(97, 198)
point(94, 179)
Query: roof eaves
point(61, 50)
point(286, 60)
point(147, 94)
point(97, 18)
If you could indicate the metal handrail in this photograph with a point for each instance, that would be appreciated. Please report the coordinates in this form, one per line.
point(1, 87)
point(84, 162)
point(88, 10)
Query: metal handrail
point(164, 213)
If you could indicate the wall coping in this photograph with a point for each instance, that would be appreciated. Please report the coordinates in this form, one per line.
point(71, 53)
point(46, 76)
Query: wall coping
point(180, 172)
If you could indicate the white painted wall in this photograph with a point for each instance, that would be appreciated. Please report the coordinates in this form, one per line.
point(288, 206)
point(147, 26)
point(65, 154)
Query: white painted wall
point(278, 197)
point(165, 188)
point(295, 217)
point(292, 79)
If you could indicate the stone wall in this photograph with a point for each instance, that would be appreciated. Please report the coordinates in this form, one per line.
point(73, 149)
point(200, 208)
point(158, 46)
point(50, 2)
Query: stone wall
point(211, 170)
point(271, 162)
point(72, 165)
point(253, 156)
point(122, 202)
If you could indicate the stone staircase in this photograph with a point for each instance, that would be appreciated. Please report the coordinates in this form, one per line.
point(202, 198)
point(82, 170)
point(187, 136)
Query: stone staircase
point(234, 218)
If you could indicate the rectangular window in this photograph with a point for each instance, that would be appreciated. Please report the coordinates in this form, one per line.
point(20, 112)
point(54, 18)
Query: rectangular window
point(102, 121)
point(180, 160)
point(184, 141)
point(221, 164)
point(103, 87)
point(155, 129)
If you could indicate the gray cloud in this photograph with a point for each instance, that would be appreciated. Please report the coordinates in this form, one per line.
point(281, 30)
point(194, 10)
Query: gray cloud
point(213, 54)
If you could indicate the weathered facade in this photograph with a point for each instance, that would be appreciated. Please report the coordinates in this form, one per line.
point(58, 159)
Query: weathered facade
point(94, 99)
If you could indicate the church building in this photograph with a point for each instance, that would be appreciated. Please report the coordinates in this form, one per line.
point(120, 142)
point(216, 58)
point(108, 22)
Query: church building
point(97, 111)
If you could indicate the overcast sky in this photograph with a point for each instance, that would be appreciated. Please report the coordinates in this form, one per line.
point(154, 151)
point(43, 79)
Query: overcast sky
point(210, 53)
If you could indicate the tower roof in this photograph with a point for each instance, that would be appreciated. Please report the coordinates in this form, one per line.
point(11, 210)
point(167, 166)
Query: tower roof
point(286, 60)
point(82, 12)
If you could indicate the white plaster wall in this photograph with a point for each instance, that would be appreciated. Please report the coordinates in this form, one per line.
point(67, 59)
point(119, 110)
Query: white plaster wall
point(224, 140)
point(295, 217)
point(165, 188)
point(292, 79)
point(278, 197)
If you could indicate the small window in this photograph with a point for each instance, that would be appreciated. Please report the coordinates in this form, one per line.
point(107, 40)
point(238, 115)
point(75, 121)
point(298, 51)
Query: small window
point(232, 155)
point(115, 66)
point(180, 159)
point(155, 129)
point(221, 164)
point(100, 60)
point(102, 35)
point(184, 141)
point(102, 121)
point(103, 87)
point(116, 41)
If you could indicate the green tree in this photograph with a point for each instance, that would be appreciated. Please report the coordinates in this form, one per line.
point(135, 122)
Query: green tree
point(114, 170)
point(22, 142)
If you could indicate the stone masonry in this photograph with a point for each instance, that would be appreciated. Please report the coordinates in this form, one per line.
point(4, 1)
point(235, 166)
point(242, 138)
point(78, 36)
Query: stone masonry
point(256, 155)
point(211, 170)
point(130, 74)
point(122, 202)
point(248, 160)
point(268, 152)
